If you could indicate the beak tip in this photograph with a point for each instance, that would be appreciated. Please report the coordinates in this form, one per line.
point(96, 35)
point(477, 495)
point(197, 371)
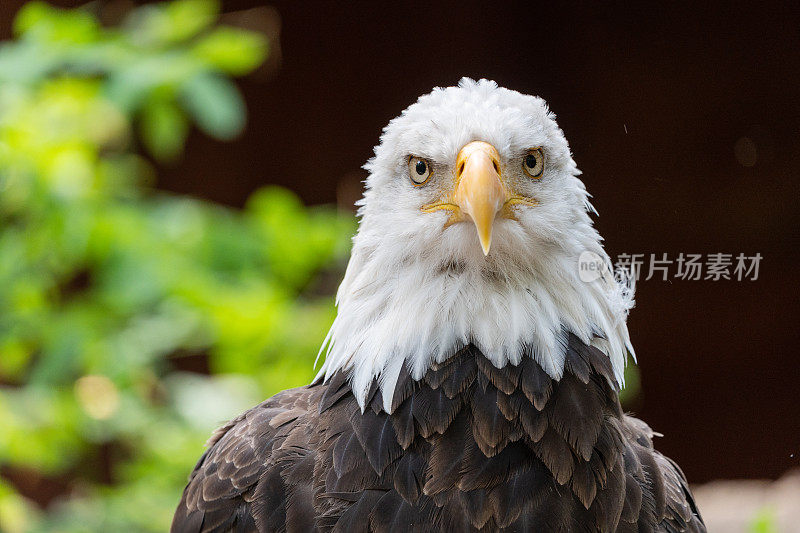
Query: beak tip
point(479, 189)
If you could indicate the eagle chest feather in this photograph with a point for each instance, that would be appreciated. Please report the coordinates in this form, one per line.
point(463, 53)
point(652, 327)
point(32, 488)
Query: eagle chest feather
point(469, 447)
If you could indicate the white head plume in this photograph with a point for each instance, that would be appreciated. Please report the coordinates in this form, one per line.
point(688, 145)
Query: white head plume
point(417, 288)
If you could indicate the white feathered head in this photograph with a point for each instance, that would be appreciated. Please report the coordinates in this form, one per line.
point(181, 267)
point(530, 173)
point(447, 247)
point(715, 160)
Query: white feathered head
point(472, 224)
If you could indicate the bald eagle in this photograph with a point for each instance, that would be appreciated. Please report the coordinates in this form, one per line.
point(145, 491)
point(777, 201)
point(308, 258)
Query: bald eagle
point(471, 375)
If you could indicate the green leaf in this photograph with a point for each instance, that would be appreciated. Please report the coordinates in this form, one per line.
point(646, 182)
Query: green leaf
point(163, 128)
point(215, 104)
point(39, 21)
point(17, 514)
point(163, 24)
point(26, 62)
point(189, 17)
point(30, 15)
point(232, 50)
point(130, 85)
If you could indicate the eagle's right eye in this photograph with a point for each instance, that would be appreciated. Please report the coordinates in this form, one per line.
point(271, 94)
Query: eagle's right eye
point(419, 170)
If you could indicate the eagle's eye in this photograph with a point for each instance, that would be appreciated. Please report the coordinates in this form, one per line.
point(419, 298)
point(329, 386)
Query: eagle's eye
point(533, 163)
point(419, 170)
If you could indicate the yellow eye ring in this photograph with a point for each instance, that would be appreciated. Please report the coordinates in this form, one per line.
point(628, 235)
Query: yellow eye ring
point(419, 170)
point(533, 163)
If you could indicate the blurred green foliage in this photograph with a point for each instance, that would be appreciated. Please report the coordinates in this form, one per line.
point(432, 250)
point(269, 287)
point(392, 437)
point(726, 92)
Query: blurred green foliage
point(765, 521)
point(108, 288)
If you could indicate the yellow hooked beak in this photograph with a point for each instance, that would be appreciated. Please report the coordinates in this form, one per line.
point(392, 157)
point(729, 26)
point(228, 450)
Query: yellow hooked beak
point(479, 191)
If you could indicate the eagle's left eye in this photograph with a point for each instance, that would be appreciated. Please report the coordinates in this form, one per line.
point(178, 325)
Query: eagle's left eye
point(419, 170)
point(533, 163)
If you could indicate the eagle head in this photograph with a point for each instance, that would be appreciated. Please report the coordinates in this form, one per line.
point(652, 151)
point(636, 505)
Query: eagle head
point(474, 159)
point(471, 227)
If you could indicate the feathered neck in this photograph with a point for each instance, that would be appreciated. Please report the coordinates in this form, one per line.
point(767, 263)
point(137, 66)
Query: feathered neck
point(420, 303)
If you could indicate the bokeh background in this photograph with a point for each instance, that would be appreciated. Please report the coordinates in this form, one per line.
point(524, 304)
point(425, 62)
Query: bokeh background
point(176, 190)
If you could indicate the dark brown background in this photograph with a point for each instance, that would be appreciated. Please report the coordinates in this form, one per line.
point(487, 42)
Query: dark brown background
point(653, 103)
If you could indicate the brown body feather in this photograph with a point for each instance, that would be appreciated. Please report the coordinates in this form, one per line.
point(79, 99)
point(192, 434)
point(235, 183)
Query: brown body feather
point(467, 448)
